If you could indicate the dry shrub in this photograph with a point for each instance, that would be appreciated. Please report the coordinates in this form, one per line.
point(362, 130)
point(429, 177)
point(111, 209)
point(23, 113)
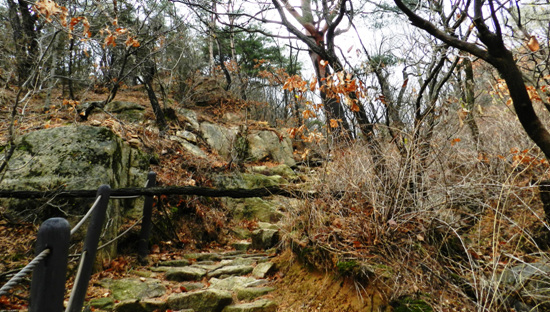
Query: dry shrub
point(446, 225)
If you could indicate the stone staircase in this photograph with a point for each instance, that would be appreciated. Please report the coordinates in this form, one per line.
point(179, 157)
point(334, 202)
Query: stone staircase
point(233, 281)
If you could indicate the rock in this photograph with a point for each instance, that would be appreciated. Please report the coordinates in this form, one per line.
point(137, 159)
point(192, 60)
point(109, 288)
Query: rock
point(186, 135)
point(248, 180)
point(203, 256)
point(74, 158)
point(233, 282)
point(262, 305)
point(531, 279)
point(128, 111)
point(129, 305)
point(262, 269)
point(175, 263)
point(256, 145)
point(243, 261)
point(254, 209)
point(231, 270)
point(282, 170)
point(134, 305)
point(193, 149)
point(263, 144)
point(192, 286)
point(187, 141)
point(241, 233)
point(102, 303)
point(133, 288)
point(190, 117)
point(208, 300)
point(185, 274)
point(267, 226)
point(285, 171)
point(207, 91)
point(264, 239)
point(219, 138)
point(253, 292)
point(242, 245)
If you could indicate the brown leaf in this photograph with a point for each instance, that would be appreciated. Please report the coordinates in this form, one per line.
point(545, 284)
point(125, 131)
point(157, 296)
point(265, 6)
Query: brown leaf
point(533, 44)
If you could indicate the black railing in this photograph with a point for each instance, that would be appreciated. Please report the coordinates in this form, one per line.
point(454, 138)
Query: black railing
point(49, 267)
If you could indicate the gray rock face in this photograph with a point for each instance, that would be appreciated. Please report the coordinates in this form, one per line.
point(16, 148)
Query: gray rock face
point(232, 270)
point(253, 292)
point(190, 117)
point(262, 269)
point(531, 279)
point(209, 300)
point(185, 274)
point(254, 209)
point(219, 138)
point(232, 282)
point(74, 157)
point(264, 144)
point(264, 239)
point(128, 111)
point(261, 144)
point(131, 288)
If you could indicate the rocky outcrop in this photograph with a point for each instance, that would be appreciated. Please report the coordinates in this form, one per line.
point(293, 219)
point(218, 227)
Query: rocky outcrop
point(73, 157)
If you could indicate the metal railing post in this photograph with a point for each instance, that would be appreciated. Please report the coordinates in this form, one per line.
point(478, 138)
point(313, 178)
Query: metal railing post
point(146, 223)
point(89, 251)
point(48, 277)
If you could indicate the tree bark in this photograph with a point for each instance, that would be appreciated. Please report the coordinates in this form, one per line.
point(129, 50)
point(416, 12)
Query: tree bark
point(23, 23)
point(148, 76)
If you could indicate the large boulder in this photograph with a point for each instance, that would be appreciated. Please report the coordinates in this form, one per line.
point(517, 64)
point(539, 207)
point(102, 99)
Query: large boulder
point(265, 144)
point(128, 111)
point(73, 158)
point(236, 143)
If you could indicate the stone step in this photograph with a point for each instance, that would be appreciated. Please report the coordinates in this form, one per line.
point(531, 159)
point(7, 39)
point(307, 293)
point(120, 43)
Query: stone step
point(202, 282)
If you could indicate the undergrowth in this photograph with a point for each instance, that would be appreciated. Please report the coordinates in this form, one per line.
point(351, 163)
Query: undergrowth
point(447, 225)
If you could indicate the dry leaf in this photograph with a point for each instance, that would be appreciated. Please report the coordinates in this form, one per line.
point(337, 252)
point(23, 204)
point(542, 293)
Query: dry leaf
point(533, 44)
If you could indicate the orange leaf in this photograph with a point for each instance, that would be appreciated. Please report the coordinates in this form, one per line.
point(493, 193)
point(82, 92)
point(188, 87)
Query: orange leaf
point(308, 114)
point(533, 44)
point(312, 84)
point(333, 123)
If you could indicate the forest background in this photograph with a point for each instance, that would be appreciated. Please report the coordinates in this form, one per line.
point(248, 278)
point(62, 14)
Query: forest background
point(433, 115)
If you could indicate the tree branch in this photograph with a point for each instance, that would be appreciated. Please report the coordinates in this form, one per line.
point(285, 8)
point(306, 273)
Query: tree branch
point(443, 36)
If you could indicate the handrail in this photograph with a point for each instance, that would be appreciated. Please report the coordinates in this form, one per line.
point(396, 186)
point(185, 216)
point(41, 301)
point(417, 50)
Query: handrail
point(48, 279)
point(24, 272)
point(86, 216)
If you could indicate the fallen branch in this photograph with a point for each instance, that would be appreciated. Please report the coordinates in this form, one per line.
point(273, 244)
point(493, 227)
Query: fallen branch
point(173, 190)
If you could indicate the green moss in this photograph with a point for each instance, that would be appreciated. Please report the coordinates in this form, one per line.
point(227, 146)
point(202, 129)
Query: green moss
point(408, 304)
point(24, 146)
point(347, 267)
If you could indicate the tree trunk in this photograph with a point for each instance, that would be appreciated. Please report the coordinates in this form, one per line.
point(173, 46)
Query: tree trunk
point(469, 100)
point(23, 23)
point(148, 76)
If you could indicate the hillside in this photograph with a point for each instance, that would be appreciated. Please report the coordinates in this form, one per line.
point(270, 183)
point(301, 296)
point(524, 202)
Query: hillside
point(359, 240)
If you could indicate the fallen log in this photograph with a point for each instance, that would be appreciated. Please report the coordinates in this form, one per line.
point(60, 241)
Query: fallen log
point(170, 190)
